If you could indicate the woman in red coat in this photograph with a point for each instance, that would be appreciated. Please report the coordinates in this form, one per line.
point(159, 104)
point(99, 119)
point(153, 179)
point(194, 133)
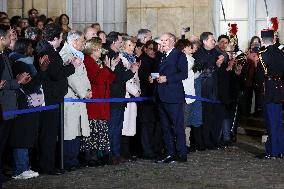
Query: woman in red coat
point(100, 76)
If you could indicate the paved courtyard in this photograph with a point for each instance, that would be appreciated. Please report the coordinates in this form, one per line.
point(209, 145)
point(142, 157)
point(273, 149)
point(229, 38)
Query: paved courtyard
point(233, 168)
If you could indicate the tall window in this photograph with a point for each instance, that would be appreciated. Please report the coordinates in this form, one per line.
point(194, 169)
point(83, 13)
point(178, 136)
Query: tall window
point(250, 16)
point(3, 5)
point(111, 14)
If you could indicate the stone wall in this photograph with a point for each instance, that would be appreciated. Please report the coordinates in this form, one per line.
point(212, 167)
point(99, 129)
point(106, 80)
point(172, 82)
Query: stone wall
point(157, 15)
point(51, 8)
point(169, 15)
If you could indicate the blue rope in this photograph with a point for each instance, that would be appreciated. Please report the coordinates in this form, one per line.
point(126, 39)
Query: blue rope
point(202, 99)
point(29, 110)
point(136, 99)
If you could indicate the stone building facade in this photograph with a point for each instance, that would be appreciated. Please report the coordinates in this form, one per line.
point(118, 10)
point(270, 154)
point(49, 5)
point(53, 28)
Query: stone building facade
point(169, 15)
point(51, 8)
point(156, 15)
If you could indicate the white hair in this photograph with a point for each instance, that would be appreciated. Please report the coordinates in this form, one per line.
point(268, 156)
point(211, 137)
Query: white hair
point(73, 35)
point(142, 33)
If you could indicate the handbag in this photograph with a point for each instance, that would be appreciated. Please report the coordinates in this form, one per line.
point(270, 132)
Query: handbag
point(34, 99)
point(132, 88)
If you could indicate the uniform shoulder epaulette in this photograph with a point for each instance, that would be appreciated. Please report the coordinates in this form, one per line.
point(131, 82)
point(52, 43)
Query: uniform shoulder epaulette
point(281, 47)
point(262, 49)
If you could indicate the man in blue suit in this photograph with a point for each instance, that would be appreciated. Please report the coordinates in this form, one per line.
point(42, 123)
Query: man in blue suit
point(170, 95)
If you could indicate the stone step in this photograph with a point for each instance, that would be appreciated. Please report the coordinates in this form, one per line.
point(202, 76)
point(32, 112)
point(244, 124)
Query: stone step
point(251, 131)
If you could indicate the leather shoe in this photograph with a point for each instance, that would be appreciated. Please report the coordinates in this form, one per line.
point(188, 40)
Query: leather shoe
point(181, 159)
point(149, 157)
point(266, 156)
point(94, 163)
point(168, 159)
point(115, 160)
point(54, 172)
point(281, 156)
point(70, 168)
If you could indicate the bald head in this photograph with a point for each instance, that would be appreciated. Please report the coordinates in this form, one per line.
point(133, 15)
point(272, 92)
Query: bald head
point(90, 32)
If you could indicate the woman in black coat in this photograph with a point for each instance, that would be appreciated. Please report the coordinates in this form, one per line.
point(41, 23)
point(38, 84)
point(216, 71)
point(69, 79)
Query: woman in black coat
point(24, 132)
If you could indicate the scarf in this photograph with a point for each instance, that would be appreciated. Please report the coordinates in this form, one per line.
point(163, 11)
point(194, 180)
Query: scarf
point(130, 58)
point(76, 53)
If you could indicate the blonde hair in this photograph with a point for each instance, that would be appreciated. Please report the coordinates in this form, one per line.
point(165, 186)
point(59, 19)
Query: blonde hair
point(126, 39)
point(91, 45)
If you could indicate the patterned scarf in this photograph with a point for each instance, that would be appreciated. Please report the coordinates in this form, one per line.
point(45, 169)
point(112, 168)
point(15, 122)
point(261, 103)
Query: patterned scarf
point(130, 58)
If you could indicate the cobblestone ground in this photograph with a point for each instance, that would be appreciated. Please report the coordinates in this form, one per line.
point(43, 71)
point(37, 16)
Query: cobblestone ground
point(232, 168)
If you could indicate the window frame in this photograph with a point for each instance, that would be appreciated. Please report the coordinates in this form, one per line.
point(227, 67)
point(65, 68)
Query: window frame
point(4, 7)
point(251, 18)
point(99, 12)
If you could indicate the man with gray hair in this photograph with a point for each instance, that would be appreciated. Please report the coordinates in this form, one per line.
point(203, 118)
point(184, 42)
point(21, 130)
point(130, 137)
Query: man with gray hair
point(76, 121)
point(144, 35)
point(170, 97)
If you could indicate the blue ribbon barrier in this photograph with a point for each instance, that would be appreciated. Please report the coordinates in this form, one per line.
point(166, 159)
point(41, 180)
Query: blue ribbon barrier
point(202, 99)
point(135, 99)
point(30, 110)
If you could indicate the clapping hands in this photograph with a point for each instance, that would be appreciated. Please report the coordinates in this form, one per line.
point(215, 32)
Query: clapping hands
point(2, 84)
point(135, 66)
point(23, 78)
point(76, 62)
point(89, 94)
point(43, 63)
point(220, 60)
point(111, 63)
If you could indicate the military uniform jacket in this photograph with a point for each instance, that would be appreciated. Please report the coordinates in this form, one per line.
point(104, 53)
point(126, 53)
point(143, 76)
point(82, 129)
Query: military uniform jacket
point(269, 72)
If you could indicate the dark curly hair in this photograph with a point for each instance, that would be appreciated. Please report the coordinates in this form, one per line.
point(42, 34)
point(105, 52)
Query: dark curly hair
point(51, 31)
point(182, 43)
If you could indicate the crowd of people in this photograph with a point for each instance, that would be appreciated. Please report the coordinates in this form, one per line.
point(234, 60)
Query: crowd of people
point(194, 84)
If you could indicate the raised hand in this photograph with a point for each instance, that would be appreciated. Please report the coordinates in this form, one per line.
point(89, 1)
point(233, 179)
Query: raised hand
point(150, 79)
point(231, 64)
point(43, 63)
point(2, 84)
point(107, 62)
point(135, 67)
point(76, 62)
point(89, 95)
point(220, 60)
point(23, 78)
point(162, 79)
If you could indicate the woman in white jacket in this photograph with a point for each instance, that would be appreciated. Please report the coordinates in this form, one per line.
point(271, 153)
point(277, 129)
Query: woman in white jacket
point(75, 114)
point(132, 90)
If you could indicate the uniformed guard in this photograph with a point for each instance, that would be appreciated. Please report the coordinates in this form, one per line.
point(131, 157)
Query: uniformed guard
point(269, 70)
